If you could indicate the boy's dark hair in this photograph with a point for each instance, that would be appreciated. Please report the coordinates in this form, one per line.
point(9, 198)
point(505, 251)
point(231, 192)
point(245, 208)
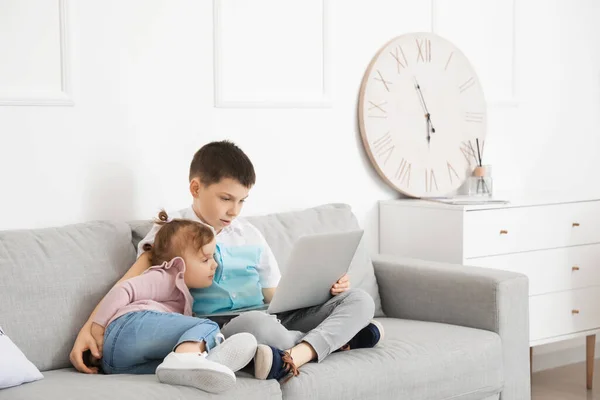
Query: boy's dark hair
point(218, 160)
point(174, 236)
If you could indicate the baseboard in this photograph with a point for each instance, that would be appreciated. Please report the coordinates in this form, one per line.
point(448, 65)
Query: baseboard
point(560, 354)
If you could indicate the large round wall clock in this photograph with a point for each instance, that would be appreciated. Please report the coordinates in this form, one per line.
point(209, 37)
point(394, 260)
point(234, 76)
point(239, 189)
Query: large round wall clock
point(421, 111)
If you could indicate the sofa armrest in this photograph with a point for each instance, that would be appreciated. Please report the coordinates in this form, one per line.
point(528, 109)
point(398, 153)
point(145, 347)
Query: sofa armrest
point(480, 298)
point(451, 294)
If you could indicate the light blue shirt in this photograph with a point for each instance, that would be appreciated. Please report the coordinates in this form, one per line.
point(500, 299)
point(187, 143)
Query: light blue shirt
point(236, 283)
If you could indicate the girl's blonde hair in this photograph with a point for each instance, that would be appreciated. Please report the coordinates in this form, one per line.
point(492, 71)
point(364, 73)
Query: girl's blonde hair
point(175, 236)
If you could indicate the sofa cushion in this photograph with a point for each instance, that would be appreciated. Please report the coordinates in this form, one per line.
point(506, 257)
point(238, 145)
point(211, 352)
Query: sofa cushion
point(51, 281)
point(67, 384)
point(281, 230)
point(416, 360)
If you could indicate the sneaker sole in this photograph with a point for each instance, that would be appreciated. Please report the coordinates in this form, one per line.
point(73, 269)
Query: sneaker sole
point(263, 361)
point(235, 352)
point(207, 379)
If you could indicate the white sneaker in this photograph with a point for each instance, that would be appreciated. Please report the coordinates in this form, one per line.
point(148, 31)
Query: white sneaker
point(195, 370)
point(235, 352)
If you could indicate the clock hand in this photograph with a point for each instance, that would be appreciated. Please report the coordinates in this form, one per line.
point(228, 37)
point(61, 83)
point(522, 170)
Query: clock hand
point(421, 99)
point(424, 106)
point(428, 126)
point(427, 114)
point(430, 123)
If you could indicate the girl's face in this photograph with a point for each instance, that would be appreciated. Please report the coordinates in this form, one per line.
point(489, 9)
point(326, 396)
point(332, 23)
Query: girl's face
point(200, 266)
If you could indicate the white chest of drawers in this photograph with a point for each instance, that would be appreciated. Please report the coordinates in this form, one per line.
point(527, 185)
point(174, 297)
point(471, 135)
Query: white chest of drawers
point(556, 244)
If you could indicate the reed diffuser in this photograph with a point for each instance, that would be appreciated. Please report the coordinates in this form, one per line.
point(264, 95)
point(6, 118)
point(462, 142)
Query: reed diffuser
point(480, 182)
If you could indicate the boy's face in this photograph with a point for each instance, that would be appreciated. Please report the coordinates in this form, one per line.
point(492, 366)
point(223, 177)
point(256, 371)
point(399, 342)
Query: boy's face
point(220, 203)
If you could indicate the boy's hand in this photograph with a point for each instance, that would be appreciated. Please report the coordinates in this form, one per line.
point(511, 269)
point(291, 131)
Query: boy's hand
point(98, 335)
point(85, 341)
point(341, 285)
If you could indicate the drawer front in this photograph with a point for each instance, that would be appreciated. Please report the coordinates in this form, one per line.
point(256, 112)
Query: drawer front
point(509, 230)
point(562, 313)
point(554, 270)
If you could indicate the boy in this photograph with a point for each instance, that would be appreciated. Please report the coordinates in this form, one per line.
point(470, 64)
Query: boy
point(221, 176)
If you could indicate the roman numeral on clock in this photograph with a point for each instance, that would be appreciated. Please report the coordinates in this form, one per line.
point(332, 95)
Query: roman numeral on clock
point(430, 180)
point(448, 62)
point(424, 50)
point(400, 58)
point(377, 110)
point(474, 117)
point(379, 77)
point(403, 172)
point(468, 84)
point(451, 171)
point(384, 147)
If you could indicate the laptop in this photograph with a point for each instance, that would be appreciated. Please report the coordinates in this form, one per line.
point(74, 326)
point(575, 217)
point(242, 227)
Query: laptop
point(316, 262)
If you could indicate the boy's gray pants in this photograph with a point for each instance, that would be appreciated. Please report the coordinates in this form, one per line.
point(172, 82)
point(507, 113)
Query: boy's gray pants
point(326, 327)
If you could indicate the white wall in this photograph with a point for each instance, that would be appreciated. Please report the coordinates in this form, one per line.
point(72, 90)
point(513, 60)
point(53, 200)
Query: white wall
point(141, 84)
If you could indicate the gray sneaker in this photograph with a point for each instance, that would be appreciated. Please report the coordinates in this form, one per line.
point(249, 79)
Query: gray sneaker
point(234, 352)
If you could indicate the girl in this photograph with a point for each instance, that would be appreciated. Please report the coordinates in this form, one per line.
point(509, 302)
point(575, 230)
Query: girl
point(149, 327)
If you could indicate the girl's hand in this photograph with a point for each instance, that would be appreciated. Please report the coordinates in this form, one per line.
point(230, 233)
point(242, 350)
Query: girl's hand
point(341, 286)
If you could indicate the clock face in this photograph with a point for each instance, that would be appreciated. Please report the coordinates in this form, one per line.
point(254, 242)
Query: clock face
point(421, 109)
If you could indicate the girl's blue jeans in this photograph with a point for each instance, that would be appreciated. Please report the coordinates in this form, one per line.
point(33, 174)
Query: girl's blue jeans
point(137, 342)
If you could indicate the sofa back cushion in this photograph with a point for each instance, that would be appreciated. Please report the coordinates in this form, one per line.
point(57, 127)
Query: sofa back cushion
point(51, 280)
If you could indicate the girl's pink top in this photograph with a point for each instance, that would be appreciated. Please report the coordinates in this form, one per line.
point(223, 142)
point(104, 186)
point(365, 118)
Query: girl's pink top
point(160, 288)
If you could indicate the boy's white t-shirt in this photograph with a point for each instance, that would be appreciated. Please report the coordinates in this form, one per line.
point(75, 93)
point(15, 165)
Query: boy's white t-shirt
point(239, 233)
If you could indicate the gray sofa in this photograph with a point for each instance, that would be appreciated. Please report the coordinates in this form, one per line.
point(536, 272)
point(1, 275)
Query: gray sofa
point(451, 332)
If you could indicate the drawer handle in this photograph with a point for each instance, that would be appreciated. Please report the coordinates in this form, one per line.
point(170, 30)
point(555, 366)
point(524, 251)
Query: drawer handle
point(504, 232)
point(575, 268)
point(575, 311)
point(575, 224)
